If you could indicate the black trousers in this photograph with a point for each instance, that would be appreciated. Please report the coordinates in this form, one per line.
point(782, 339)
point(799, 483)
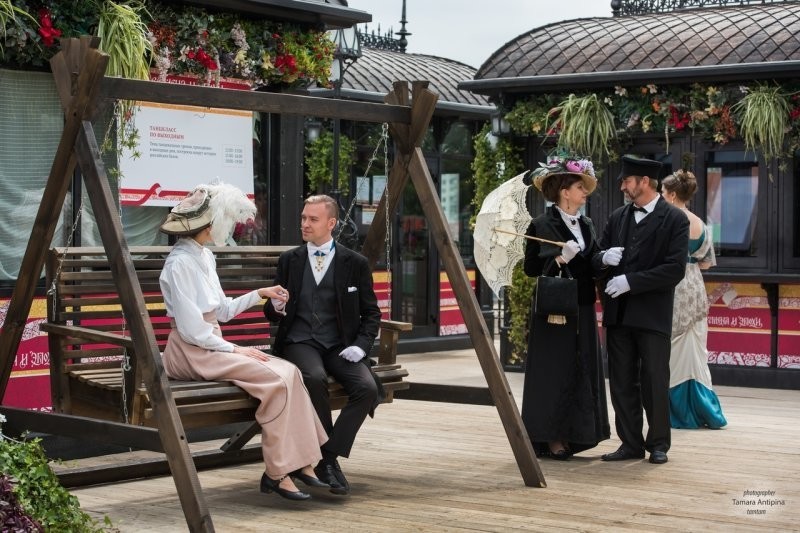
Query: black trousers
point(638, 376)
point(316, 363)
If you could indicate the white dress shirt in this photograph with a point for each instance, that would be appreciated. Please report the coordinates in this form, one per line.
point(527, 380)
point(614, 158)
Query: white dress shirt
point(329, 249)
point(191, 288)
point(638, 215)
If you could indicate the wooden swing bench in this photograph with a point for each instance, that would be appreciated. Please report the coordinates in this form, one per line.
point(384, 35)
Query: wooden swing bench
point(88, 339)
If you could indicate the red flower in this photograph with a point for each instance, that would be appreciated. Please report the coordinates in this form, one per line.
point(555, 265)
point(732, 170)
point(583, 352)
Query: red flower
point(206, 60)
point(677, 119)
point(795, 113)
point(46, 29)
point(287, 63)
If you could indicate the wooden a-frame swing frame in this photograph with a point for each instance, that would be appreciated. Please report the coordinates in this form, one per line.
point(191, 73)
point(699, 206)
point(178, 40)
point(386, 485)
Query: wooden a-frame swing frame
point(79, 70)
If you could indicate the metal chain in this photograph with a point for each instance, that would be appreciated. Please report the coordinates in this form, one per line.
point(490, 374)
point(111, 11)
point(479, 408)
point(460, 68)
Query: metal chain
point(53, 290)
point(383, 140)
point(125, 364)
point(388, 238)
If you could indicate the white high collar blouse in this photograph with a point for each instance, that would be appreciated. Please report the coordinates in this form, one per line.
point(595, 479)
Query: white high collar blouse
point(191, 288)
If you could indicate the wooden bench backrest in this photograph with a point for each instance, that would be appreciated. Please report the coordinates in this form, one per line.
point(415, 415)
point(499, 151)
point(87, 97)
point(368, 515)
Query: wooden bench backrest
point(88, 335)
point(87, 295)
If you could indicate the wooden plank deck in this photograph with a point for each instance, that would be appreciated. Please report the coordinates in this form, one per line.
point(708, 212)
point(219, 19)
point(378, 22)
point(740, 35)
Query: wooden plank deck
point(424, 466)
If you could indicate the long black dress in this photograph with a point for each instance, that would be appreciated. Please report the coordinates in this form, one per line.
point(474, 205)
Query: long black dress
point(564, 397)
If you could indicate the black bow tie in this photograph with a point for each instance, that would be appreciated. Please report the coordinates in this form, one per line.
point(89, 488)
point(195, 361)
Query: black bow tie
point(639, 209)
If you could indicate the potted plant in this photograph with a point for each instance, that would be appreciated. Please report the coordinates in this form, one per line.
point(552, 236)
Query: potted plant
point(585, 124)
point(33, 495)
point(763, 115)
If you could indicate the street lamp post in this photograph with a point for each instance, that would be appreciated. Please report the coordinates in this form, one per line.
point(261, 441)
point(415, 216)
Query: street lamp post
point(348, 50)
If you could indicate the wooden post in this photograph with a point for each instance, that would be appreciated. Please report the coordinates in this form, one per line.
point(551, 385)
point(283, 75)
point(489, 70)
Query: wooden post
point(75, 109)
point(146, 350)
point(411, 162)
point(476, 326)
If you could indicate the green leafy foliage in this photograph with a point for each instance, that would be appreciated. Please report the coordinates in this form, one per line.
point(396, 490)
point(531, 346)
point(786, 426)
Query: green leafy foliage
point(585, 124)
point(520, 298)
point(490, 168)
point(124, 37)
point(319, 161)
point(767, 116)
point(763, 114)
point(38, 492)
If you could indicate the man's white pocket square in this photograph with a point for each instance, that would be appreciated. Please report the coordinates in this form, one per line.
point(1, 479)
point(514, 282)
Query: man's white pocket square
point(351, 289)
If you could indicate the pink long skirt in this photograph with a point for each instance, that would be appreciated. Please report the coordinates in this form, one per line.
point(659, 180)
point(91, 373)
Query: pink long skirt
point(291, 433)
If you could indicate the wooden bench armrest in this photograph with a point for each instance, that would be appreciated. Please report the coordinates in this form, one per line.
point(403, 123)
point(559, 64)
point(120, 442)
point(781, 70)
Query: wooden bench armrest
point(396, 325)
point(88, 334)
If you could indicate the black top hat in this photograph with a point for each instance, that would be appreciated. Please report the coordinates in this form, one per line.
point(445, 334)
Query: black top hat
point(637, 166)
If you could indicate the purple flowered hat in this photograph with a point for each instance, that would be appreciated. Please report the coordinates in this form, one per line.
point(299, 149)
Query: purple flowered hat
point(560, 164)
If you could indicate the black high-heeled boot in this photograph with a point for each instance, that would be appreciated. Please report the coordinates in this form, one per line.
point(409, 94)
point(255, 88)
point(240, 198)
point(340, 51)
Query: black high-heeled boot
point(273, 485)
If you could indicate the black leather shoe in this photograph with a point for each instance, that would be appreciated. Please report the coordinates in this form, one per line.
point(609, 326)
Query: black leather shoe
point(309, 481)
point(273, 485)
point(326, 472)
point(560, 455)
point(658, 457)
point(337, 470)
point(622, 454)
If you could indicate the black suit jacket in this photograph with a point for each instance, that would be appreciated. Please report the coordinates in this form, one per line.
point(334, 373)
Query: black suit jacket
point(653, 264)
point(357, 311)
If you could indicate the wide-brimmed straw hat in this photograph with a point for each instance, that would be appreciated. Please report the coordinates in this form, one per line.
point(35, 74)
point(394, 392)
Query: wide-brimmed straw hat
point(219, 205)
point(561, 164)
point(191, 215)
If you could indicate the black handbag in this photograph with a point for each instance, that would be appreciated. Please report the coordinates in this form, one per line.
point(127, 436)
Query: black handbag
point(556, 297)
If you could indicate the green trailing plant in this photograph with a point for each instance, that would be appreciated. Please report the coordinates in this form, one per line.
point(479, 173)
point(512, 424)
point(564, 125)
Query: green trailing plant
point(763, 115)
point(585, 124)
point(123, 36)
point(38, 492)
point(319, 161)
point(492, 166)
point(520, 298)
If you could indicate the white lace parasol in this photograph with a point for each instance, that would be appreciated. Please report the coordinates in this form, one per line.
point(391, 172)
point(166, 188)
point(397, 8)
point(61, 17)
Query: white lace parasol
point(499, 234)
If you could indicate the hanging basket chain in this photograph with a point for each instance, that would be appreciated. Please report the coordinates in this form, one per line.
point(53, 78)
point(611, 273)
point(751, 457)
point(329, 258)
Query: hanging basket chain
point(53, 290)
point(388, 239)
point(125, 364)
point(382, 141)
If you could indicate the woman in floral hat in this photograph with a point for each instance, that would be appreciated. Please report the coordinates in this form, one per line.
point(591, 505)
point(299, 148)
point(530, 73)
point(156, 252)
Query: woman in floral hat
point(564, 401)
point(291, 432)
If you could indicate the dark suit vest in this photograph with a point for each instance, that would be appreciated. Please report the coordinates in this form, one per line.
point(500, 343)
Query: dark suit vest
point(316, 310)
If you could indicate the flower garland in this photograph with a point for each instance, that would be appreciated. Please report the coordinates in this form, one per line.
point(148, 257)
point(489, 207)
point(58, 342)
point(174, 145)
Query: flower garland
point(704, 110)
point(186, 41)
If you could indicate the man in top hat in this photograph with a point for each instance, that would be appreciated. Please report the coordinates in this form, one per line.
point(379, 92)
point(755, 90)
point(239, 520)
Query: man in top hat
point(644, 248)
point(328, 327)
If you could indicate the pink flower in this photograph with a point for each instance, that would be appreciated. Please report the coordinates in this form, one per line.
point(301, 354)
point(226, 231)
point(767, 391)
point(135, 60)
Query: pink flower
point(573, 166)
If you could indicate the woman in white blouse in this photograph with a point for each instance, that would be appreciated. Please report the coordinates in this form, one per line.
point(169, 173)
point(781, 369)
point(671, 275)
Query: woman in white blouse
point(291, 433)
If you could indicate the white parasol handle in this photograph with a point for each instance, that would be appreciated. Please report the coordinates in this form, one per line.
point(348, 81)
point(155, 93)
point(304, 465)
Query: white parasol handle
point(557, 243)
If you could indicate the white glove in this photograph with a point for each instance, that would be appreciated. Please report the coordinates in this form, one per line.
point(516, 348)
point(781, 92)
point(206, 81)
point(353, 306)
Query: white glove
point(613, 256)
point(354, 354)
point(618, 285)
point(278, 305)
point(570, 250)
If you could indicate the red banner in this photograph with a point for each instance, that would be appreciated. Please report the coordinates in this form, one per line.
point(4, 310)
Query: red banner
point(29, 385)
point(739, 324)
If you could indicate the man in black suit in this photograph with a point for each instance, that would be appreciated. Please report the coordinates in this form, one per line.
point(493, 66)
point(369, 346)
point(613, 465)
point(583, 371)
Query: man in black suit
point(328, 327)
point(644, 248)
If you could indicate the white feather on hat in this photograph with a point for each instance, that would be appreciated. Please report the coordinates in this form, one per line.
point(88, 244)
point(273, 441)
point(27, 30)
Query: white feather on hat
point(228, 206)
